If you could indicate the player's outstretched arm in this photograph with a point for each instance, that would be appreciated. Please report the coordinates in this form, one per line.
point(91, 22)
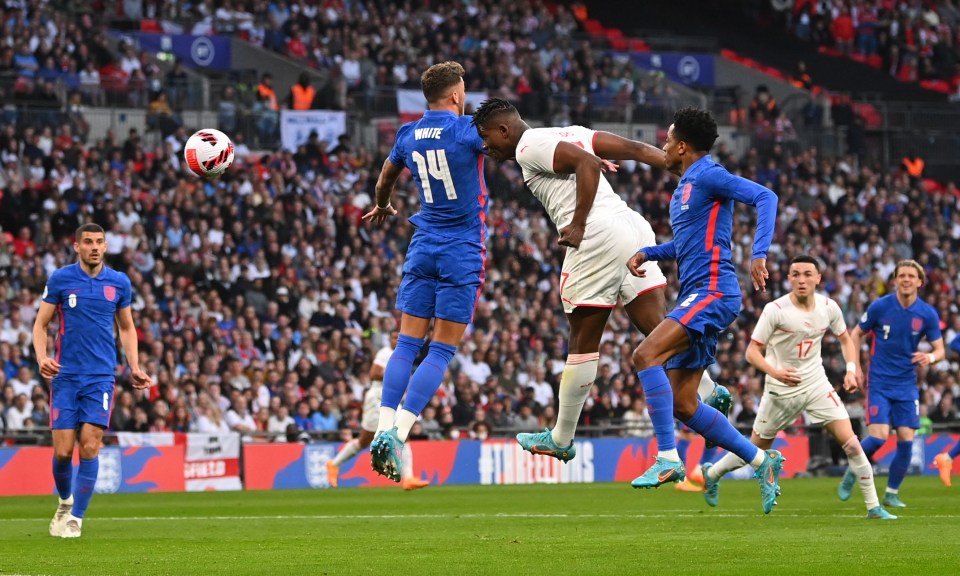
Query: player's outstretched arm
point(850, 355)
point(389, 174)
point(613, 147)
point(571, 159)
point(726, 185)
point(48, 366)
point(128, 339)
point(755, 356)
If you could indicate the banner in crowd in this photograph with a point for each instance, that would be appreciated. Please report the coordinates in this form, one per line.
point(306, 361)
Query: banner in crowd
point(296, 126)
point(212, 461)
point(411, 104)
point(269, 466)
point(689, 69)
point(26, 471)
point(209, 52)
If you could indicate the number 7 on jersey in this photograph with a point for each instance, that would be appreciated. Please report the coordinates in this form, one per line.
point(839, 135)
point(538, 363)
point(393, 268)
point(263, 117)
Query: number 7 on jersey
point(434, 165)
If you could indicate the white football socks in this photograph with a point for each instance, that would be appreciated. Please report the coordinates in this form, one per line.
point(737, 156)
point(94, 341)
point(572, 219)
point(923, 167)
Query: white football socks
point(863, 471)
point(387, 418)
point(349, 450)
point(405, 421)
point(575, 384)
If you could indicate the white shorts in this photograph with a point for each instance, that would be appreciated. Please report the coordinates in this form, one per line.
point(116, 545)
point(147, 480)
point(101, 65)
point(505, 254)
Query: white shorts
point(596, 273)
point(370, 418)
point(819, 401)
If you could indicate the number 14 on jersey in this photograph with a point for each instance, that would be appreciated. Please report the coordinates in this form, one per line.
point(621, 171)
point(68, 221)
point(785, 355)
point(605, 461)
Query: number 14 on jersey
point(434, 165)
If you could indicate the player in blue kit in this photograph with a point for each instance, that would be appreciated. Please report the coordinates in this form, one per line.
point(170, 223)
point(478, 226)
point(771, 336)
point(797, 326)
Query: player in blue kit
point(944, 462)
point(89, 298)
point(701, 214)
point(897, 321)
point(444, 267)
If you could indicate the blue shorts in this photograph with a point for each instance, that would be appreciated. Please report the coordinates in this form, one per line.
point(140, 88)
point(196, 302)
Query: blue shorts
point(78, 399)
point(704, 315)
point(442, 277)
point(895, 409)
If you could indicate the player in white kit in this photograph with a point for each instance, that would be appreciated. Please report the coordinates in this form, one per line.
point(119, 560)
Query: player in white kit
point(563, 169)
point(368, 425)
point(786, 346)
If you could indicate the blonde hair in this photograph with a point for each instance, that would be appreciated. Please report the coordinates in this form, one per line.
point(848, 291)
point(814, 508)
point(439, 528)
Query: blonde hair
point(911, 264)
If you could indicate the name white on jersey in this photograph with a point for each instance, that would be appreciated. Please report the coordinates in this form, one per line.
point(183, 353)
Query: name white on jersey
point(558, 192)
point(793, 339)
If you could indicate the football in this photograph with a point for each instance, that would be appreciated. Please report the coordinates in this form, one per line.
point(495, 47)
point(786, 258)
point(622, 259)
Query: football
point(208, 152)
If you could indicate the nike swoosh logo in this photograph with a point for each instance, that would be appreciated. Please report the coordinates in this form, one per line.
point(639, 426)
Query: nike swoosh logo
point(866, 478)
point(664, 476)
point(770, 479)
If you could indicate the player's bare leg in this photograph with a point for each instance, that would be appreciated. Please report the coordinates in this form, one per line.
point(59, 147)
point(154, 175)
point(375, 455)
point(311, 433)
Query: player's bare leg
point(586, 330)
point(860, 471)
point(63, 444)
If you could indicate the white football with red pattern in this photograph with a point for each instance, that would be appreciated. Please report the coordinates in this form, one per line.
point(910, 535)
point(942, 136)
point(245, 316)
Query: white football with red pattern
point(208, 152)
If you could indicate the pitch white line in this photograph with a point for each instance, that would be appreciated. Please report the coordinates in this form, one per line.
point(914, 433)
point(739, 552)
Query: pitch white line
point(666, 514)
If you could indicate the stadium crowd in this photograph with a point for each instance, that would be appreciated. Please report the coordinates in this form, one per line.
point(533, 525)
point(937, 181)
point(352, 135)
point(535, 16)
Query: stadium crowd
point(261, 298)
point(910, 40)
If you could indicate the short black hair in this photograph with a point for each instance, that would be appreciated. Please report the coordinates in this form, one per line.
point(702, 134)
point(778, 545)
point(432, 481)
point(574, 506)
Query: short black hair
point(490, 109)
point(93, 228)
point(805, 259)
point(696, 127)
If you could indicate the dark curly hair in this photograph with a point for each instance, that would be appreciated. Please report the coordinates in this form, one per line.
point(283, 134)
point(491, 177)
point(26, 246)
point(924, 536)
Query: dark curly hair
point(491, 108)
point(696, 127)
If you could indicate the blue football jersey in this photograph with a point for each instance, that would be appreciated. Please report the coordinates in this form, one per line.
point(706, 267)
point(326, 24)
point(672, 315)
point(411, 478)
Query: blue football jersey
point(701, 215)
point(87, 307)
point(445, 155)
point(955, 344)
point(896, 333)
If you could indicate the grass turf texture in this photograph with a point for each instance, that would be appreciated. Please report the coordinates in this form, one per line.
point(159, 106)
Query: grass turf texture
point(542, 529)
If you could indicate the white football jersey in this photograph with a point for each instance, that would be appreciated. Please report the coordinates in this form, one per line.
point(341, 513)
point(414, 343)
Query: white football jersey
point(558, 192)
point(793, 339)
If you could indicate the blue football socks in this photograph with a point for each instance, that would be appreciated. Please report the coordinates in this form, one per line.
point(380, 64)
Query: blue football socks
point(396, 375)
point(712, 425)
point(86, 480)
point(428, 376)
point(659, 394)
point(63, 477)
point(900, 464)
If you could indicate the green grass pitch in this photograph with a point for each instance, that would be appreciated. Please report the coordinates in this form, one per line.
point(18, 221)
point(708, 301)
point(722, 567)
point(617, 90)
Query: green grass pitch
point(516, 530)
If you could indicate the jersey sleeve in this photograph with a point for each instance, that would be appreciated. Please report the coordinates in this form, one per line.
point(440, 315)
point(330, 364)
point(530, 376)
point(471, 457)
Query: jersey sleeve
point(932, 329)
point(869, 319)
point(585, 137)
point(51, 292)
point(837, 324)
point(470, 136)
point(766, 324)
point(397, 155)
point(955, 344)
point(126, 292)
point(723, 184)
point(535, 150)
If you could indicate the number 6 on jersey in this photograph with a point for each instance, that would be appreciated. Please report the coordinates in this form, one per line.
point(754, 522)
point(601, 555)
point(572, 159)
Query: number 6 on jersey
point(435, 165)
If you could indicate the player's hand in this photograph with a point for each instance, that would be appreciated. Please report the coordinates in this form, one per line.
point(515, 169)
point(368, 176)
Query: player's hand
point(921, 358)
point(379, 215)
point(49, 367)
point(759, 273)
point(635, 262)
point(608, 166)
point(788, 376)
point(850, 381)
point(571, 235)
point(860, 378)
point(141, 381)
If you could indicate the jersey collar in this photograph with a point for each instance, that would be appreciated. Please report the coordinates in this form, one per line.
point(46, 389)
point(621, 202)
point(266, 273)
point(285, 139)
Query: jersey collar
point(438, 113)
